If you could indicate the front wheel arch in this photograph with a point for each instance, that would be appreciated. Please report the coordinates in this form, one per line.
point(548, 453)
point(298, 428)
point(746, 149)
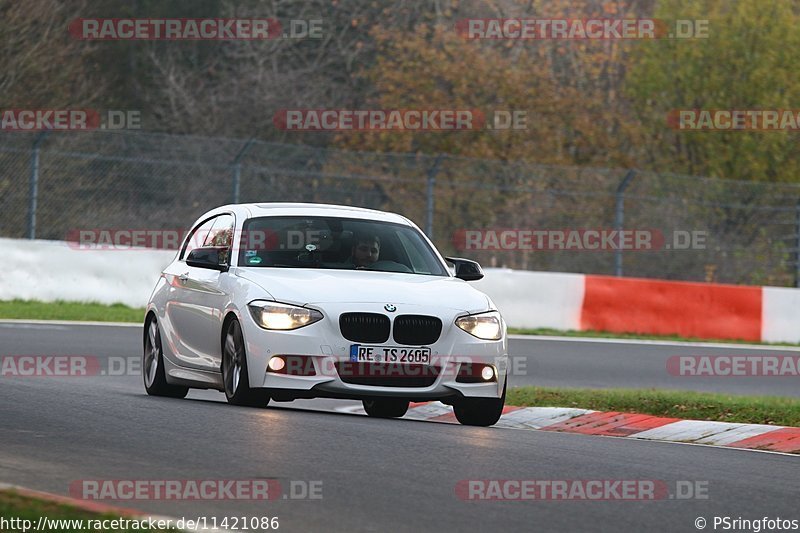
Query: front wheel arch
point(230, 317)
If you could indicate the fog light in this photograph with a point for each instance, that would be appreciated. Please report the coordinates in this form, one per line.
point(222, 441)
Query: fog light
point(292, 365)
point(276, 364)
point(476, 373)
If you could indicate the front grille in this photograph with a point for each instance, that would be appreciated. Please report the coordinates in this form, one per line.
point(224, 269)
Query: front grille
point(417, 330)
point(387, 374)
point(364, 327)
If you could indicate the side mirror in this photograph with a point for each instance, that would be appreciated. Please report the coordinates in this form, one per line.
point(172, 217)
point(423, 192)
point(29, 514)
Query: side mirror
point(213, 257)
point(466, 269)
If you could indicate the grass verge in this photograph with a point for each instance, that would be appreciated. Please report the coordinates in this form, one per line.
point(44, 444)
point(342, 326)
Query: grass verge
point(61, 310)
point(638, 336)
point(676, 404)
point(22, 507)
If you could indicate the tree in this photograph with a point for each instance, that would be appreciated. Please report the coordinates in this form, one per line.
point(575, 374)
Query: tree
point(750, 61)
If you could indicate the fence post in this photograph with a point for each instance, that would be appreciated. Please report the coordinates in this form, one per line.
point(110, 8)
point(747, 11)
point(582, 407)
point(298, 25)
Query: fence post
point(33, 184)
point(619, 217)
point(430, 195)
point(237, 168)
point(797, 245)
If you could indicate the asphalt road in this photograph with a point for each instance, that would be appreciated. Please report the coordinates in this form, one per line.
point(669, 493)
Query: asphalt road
point(602, 363)
point(376, 475)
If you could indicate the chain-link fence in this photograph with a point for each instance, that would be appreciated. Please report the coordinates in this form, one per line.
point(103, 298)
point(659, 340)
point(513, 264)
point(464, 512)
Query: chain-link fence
point(53, 184)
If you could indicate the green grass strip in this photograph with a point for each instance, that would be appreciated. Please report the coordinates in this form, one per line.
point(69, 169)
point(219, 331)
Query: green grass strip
point(22, 507)
point(668, 403)
point(61, 310)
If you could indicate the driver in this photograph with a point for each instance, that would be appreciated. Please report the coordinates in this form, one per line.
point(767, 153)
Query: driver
point(366, 249)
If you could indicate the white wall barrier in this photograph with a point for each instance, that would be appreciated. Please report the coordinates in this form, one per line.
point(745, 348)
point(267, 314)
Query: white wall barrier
point(535, 299)
point(54, 270)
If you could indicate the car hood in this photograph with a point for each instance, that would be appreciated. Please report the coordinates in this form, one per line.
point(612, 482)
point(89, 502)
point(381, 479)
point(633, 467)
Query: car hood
point(303, 286)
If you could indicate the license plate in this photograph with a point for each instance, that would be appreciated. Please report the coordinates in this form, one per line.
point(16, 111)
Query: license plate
point(361, 353)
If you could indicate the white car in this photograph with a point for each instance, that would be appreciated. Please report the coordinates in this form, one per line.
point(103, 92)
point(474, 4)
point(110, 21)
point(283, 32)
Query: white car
point(286, 300)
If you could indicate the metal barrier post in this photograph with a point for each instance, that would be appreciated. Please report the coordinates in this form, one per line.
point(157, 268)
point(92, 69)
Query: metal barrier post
point(237, 169)
point(619, 217)
point(33, 184)
point(430, 195)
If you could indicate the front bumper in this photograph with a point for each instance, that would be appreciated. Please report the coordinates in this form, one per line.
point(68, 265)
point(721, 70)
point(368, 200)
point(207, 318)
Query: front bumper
point(323, 343)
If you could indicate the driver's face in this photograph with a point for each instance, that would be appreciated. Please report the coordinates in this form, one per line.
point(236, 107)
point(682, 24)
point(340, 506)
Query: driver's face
point(365, 253)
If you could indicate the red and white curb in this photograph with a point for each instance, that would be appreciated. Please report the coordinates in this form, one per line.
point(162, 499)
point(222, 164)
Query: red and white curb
point(98, 508)
point(614, 424)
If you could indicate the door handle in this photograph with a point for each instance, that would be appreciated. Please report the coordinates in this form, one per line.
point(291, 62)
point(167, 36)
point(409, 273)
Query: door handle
point(184, 276)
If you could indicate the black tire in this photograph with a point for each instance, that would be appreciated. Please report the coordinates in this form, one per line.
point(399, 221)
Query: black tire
point(385, 407)
point(235, 378)
point(480, 411)
point(153, 373)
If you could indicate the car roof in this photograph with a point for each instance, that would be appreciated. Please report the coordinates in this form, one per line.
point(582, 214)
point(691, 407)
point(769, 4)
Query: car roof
point(311, 209)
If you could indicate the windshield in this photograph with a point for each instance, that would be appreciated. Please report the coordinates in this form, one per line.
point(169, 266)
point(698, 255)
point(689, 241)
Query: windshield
point(336, 243)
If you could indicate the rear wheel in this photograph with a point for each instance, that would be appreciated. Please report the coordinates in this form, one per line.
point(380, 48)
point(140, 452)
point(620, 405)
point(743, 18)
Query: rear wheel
point(385, 407)
point(234, 370)
point(480, 411)
point(155, 378)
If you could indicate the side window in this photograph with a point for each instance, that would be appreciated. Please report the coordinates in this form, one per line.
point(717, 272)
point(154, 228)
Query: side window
point(221, 233)
point(197, 237)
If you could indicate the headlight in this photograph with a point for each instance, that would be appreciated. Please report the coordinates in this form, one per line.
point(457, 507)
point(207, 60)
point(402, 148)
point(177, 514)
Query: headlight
point(487, 326)
point(273, 315)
